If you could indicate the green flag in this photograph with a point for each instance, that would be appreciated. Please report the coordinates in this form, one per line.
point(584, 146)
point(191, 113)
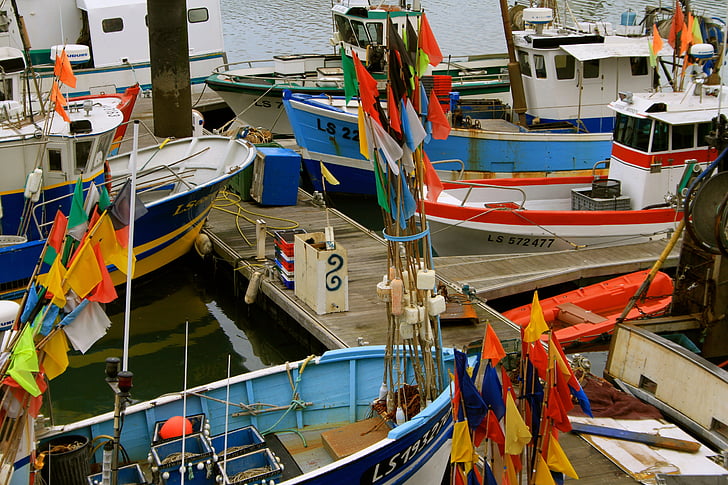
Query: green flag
point(104, 199)
point(24, 361)
point(351, 87)
point(381, 189)
point(77, 219)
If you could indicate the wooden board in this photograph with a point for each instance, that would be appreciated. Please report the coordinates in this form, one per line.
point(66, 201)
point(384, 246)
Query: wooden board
point(349, 439)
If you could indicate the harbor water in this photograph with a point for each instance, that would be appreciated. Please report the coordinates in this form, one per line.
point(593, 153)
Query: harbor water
point(186, 294)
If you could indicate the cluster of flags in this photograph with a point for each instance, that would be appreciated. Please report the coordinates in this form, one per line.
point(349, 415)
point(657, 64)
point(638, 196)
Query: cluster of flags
point(392, 137)
point(63, 304)
point(64, 74)
point(685, 31)
point(517, 427)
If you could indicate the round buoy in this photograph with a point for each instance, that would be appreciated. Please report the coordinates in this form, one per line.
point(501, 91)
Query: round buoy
point(203, 245)
point(174, 427)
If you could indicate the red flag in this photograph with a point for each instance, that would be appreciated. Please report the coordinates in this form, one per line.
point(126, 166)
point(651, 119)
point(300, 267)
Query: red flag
point(678, 22)
point(492, 347)
point(394, 118)
point(555, 410)
point(24, 398)
point(432, 180)
point(55, 238)
point(489, 428)
point(539, 358)
point(104, 291)
point(428, 43)
point(367, 89)
point(63, 70)
point(59, 101)
point(440, 125)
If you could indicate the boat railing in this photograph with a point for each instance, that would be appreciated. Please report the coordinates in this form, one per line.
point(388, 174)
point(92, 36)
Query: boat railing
point(472, 185)
point(460, 171)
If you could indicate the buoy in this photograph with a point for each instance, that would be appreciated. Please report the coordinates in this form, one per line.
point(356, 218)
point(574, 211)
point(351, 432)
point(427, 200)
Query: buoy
point(174, 427)
point(399, 416)
point(8, 312)
point(203, 244)
point(32, 185)
point(425, 279)
point(436, 305)
point(406, 330)
point(397, 293)
point(384, 291)
point(252, 292)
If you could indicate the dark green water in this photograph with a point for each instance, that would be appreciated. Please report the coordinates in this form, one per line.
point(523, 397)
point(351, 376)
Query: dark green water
point(220, 324)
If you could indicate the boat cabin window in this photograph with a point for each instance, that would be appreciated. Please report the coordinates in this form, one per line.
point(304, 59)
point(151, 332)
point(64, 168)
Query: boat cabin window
point(539, 65)
point(54, 160)
point(525, 65)
point(197, 15)
point(112, 25)
point(345, 31)
point(632, 132)
point(661, 138)
point(376, 32)
point(83, 150)
point(6, 89)
point(638, 66)
point(360, 32)
point(591, 68)
point(703, 131)
point(682, 136)
point(565, 66)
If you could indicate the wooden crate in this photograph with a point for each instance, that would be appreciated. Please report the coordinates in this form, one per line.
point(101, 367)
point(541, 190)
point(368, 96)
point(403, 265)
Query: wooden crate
point(322, 275)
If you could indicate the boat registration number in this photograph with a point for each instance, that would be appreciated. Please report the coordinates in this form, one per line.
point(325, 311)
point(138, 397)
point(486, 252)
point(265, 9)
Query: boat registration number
point(538, 242)
point(345, 132)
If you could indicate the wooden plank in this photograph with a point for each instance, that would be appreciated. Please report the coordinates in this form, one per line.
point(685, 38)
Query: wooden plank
point(347, 440)
point(645, 438)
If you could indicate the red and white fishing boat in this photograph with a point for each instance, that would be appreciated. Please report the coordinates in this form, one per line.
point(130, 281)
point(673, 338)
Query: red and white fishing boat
point(589, 313)
point(659, 147)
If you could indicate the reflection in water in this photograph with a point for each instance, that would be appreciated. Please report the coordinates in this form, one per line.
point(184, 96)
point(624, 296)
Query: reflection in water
point(162, 304)
point(261, 30)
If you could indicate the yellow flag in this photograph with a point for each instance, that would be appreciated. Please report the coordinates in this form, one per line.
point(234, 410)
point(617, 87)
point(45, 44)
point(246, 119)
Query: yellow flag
point(517, 433)
point(52, 280)
point(537, 325)
point(56, 355)
point(84, 273)
point(363, 142)
point(697, 34)
point(542, 475)
point(328, 176)
point(462, 445)
point(557, 459)
point(103, 234)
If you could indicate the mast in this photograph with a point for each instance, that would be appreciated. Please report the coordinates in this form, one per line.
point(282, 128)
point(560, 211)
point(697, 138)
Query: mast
point(514, 68)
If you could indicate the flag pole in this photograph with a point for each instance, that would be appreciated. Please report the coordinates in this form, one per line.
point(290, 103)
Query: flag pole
point(130, 245)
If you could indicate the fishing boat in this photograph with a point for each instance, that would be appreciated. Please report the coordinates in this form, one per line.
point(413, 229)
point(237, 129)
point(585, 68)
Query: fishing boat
point(590, 313)
point(551, 130)
point(659, 148)
point(108, 43)
point(254, 89)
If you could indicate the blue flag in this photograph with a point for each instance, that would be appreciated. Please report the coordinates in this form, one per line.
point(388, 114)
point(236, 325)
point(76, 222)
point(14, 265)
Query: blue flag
point(492, 391)
point(475, 407)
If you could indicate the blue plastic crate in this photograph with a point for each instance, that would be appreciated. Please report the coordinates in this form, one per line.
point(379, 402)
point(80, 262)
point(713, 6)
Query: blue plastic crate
point(239, 441)
point(256, 468)
point(168, 455)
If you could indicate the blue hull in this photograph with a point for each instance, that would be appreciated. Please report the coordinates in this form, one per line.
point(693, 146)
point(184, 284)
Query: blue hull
point(421, 444)
point(331, 135)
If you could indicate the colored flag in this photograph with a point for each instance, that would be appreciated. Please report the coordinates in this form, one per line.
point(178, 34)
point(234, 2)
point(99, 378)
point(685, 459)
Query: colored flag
point(410, 40)
point(382, 199)
point(475, 407)
point(387, 146)
point(394, 116)
point(517, 433)
point(367, 88)
point(537, 325)
point(56, 355)
point(404, 207)
point(655, 45)
point(55, 238)
point(510, 471)
point(24, 361)
point(492, 391)
point(414, 133)
point(31, 404)
point(104, 199)
point(696, 32)
point(92, 198)
point(574, 386)
point(121, 207)
point(492, 347)
point(58, 102)
point(432, 180)
point(53, 281)
point(539, 358)
point(104, 291)
point(678, 22)
point(440, 125)
point(542, 476)
point(50, 314)
point(85, 325)
point(84, 272)
point(399, 61)
point(557, 460)
point(429, 50)
point(350, 85)
point(30, 303)
point(327, 176)
point(63, 70)
point(462, 445)
point(113, 252)
point(489, 428)
point(77, 218)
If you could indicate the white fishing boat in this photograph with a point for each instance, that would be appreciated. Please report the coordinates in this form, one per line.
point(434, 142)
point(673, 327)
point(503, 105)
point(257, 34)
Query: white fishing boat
point(659, 148)
point(108, 42)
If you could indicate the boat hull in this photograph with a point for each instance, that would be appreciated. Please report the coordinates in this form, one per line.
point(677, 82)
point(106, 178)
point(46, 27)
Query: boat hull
point(415, 452)
point(331, 135)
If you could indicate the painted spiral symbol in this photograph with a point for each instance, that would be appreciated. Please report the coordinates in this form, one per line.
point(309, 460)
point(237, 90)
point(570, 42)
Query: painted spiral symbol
point(333, 282)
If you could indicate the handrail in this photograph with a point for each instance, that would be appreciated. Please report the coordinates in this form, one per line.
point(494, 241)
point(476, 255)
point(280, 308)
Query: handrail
point(461, 172)
point(472, 185)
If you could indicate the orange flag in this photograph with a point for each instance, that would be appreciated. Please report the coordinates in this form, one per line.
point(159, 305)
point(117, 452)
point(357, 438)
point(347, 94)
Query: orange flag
point(440, 125)
point(105, 291)
point(59, 101)
point(678, 22)
point(492, 347)
point(63, 70)
point(432, 180)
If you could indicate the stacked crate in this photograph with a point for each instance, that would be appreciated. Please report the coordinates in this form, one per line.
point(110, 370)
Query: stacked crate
point(284, 251)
